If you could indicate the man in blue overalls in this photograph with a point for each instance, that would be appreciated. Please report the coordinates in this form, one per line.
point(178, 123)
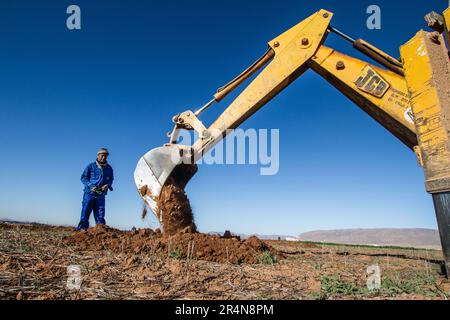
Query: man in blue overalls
point(97, 179)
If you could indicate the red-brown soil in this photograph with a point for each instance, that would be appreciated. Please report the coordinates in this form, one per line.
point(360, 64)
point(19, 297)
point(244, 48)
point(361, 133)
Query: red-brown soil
point(146, 241)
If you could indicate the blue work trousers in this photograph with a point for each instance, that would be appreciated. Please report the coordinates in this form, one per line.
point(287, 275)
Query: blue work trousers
point(92, 203)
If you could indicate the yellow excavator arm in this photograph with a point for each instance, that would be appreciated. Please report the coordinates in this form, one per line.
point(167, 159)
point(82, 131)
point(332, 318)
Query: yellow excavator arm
point(398, 95)
point(382, 93)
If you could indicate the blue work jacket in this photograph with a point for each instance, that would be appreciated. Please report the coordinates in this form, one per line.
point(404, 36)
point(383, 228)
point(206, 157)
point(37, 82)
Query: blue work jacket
point(95, 175)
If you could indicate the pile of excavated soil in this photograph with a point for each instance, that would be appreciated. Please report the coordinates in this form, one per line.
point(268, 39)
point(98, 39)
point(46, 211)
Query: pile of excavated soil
point(199, 246)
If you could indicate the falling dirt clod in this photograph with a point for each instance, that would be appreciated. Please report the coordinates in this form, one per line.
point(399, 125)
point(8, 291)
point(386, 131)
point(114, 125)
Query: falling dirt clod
point(144, 212)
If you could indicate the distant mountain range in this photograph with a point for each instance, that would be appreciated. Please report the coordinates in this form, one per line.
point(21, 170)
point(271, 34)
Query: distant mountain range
point(16, 222)
point(418, 238)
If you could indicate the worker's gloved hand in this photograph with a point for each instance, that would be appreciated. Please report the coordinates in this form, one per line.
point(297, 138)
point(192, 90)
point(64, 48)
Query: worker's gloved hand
point(98, 191)
point(104, 187)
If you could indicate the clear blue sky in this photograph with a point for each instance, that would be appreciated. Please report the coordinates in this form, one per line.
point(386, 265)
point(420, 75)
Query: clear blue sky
point(118, 82)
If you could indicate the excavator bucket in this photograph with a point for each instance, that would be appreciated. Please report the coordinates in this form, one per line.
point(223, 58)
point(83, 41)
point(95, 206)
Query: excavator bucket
point(158, 167)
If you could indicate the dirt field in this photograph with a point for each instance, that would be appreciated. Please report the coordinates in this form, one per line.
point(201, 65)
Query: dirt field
point(143, 264)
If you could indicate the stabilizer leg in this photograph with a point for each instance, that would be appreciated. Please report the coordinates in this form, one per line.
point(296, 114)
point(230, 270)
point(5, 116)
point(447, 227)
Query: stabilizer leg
point(442, 207)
